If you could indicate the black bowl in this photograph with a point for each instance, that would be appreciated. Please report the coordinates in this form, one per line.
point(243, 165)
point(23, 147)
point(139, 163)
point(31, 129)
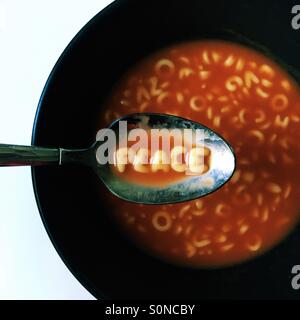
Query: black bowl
point(69, 200)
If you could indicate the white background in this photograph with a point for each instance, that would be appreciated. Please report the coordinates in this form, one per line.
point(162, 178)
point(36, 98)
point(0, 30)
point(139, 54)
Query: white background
point(33, 33)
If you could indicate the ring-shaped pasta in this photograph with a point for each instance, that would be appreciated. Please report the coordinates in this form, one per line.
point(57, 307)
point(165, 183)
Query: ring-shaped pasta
point(162, 216)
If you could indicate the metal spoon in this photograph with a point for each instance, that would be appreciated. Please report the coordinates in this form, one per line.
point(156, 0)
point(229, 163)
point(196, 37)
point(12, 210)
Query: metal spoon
point(192, 187)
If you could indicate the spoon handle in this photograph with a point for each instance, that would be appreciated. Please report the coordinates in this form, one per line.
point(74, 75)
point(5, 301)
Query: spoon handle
point(14, 155)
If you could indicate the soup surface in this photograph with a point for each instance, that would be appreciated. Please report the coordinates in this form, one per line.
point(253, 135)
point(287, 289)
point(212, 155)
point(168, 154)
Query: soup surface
point(255, 105)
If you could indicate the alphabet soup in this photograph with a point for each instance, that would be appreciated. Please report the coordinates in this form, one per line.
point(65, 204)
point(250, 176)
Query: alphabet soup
point(255, 105)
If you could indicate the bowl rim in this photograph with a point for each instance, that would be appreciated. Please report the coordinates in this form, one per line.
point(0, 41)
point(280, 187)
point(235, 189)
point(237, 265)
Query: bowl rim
point(103, 12)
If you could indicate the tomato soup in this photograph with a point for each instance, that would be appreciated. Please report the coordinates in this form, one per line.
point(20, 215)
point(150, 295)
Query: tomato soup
point(255, 105)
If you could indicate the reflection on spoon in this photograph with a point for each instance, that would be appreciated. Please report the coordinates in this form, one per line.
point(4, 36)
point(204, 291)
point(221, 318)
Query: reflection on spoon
point(164, 179)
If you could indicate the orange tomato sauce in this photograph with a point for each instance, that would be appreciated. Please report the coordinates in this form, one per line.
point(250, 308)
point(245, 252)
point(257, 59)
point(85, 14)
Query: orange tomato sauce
point(255, 105)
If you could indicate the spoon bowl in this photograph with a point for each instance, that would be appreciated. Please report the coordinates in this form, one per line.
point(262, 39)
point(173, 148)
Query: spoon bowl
point(192, 186)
